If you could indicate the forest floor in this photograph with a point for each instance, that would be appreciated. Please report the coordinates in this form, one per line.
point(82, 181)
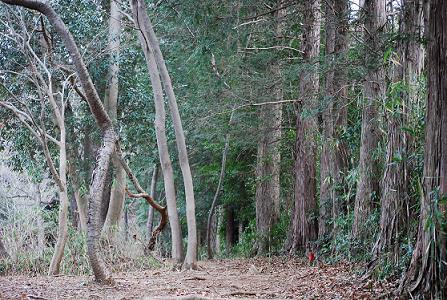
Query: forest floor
point(259, 278)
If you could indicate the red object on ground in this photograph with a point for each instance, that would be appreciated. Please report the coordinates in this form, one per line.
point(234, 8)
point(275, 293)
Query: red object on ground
point(311, 257)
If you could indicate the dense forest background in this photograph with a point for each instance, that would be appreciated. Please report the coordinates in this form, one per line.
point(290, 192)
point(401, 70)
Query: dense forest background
point(310, 126)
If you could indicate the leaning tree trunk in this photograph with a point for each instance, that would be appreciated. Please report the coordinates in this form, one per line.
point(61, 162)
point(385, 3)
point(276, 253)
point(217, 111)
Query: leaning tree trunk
point(426, 275)
point(191, 252)
point(117, 196)
point(373, 91)
point(304, 226)
point(394, 184)
point(269, 156)
point(160, 131)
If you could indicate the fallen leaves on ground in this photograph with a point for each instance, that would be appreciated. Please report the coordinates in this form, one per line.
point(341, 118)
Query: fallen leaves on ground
point(257, 278)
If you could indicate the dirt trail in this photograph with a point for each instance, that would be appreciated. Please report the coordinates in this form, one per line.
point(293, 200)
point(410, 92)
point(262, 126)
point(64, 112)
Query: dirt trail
point(261, 278)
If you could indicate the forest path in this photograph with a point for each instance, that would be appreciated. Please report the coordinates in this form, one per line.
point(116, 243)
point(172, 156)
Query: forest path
point(259, 278)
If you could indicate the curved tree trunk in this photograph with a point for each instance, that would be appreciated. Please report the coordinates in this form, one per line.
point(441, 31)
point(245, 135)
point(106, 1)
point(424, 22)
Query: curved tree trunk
point(268, 166)
point(373, 92)
point(191, 252)
point(426, 275)
point(304, 225)
point(139, 13)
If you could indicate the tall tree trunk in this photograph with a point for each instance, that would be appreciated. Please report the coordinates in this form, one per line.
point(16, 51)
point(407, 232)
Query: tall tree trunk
point(426, 275)
point(269, 156)
point(191, 252)
point(304, 225)
point(394, 184)
point(333, 156)
point(153, 191)
point(139, 13)
point(117, 196)
point(373, 92)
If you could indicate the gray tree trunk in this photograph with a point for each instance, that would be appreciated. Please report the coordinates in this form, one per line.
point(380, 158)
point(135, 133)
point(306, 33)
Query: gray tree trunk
point(139, 13)
point(153, 191)
point(373, 92)
point(190, 261)
point(117, 196)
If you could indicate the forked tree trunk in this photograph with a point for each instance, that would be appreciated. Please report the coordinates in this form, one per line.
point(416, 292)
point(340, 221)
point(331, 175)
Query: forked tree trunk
point(304, 225)
point(269, 156)
point(117, 196)
point(373, 92)
point(153, 191)
point(426, 275)
point(394, 184)
point(191, 252)
point(139, 13)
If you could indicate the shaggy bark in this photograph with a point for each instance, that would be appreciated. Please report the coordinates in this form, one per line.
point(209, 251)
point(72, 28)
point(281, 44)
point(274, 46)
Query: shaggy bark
point(160, 131)
point(426, 275)
point(333, 154)
point(304, 225)
point(190, 261)
point(373, 92)
point(394, 184)
point(269, 156)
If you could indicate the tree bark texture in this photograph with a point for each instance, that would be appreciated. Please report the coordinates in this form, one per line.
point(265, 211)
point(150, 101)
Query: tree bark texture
point(373, 92)
point(304, 225)
point(333, 155)
point(426, 275)
point(394, 182)
point(139, 13)
point(268, 165)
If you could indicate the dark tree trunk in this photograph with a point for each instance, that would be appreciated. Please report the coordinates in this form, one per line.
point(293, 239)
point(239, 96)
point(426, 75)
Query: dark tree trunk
point(394, 184)
point(427, 274)
point(229, 228)
point(304, 225)
point(373, 92)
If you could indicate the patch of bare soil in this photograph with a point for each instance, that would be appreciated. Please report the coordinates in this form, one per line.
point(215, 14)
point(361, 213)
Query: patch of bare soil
point(259, 278)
